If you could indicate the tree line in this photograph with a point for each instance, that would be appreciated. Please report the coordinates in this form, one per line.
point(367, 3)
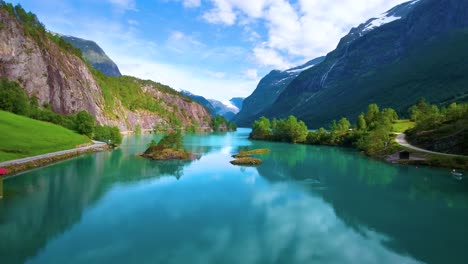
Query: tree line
point(372, 132)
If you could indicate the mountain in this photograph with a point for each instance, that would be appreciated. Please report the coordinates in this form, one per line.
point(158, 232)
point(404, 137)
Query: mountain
point(417, 49)
point(94, 55)
point(237, 102)
point(268, 90)
point(52, 70)
point(201, 100)
point(226, 108)
point(217, 108)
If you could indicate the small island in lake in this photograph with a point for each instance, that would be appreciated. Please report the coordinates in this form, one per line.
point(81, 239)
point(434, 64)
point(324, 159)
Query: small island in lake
point(168, 148)
point(245, 157)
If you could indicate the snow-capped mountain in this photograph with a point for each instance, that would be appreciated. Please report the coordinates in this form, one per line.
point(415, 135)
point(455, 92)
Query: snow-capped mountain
point(396, 13)
point(226, 108)
point(416, 49)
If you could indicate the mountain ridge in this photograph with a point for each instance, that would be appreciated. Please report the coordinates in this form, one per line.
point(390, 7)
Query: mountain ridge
point(268, 90)
point(366, 68)
point(94, 54)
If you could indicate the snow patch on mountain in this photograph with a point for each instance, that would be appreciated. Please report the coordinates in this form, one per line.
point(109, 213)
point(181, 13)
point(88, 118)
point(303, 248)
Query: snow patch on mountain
point(231, 106)
point(295, 70)
point(377, 22)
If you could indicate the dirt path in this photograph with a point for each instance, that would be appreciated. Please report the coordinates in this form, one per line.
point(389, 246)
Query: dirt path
point(96, 146)
point(401, 139)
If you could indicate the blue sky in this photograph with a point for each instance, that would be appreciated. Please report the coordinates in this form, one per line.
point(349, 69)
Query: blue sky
point(215, 48)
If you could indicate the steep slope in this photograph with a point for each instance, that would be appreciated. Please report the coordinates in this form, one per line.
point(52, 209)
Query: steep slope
point(201, 100)
point(226, 109)
point(237, 102)
point(94, 55)
point(417, 49)
point(52, 70)
point(267, 91)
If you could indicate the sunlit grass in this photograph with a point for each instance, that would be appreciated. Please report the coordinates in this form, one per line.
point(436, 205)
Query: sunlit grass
point(402, 125)
point(22, 137)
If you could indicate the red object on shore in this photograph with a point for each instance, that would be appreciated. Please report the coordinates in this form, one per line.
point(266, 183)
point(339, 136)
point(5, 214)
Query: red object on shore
point(3, 171)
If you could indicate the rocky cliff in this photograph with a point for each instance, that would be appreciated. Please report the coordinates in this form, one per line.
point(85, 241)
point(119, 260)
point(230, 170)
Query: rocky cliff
point(61, 79)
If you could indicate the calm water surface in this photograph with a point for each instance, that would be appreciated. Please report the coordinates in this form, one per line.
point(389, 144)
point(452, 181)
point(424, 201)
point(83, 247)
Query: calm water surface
point(304, 204)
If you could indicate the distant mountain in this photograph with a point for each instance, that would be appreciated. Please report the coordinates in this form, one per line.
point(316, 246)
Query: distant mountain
point(268, 90)
point(416, 49)
point(217, 108)
point(201, 100)
point(237, 102)
point(94, 55)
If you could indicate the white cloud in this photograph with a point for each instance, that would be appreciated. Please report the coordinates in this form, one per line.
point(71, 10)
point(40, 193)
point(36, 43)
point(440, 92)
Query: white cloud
point(268, 57)
point(199, 82)
point(252, 74)
point(222, 13)
point(306, 29)
point(192, 3)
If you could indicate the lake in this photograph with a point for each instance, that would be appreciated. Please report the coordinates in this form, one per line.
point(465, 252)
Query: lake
point(304, 204)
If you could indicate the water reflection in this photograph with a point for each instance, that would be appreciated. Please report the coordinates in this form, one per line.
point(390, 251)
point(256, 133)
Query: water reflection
point(371, 195)
point(44, 203)
point(304, 204)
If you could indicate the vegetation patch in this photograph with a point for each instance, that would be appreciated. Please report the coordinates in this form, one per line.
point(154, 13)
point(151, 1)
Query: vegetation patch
point(220, 124)
point(440, 129)
point(249, 161)
point(245, 157)
point(22, 137)
point(156, 153)
point(248, 153)
point(168, 148)
point(402, 125)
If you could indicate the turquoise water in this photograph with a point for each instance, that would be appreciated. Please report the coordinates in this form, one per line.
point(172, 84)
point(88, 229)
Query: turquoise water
point(304, 204)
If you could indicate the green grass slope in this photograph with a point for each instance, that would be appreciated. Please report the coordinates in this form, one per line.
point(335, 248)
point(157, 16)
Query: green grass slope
point(22, 137)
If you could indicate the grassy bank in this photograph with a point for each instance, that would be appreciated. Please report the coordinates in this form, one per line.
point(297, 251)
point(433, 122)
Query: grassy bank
point(22, 137)
point(401, 125)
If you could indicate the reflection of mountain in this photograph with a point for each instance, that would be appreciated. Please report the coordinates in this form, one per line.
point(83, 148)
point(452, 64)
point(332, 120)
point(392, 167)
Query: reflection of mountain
point(44, 203)
point(371, 195)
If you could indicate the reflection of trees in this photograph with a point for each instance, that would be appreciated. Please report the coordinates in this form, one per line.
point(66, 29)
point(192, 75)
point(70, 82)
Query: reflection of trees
point(424, 228)
point(299, 162)
point(431, 188)
point(411, 206)
point(44, 203)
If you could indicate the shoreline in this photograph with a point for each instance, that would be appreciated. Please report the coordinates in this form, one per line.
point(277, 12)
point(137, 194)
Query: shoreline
point(417, 158)
point(20, 165)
